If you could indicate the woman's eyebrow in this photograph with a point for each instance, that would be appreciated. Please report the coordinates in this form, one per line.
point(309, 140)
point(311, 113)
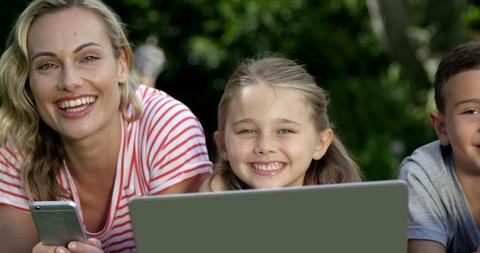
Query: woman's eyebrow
point(77, 49)
point(88, 44)
point(42, 53)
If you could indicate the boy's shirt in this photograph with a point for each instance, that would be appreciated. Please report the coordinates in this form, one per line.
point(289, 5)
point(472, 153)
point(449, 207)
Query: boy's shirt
point(438, 209)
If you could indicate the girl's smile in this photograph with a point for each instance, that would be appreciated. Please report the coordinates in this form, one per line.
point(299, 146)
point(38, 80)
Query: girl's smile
point(270, 137)
point(267, 168)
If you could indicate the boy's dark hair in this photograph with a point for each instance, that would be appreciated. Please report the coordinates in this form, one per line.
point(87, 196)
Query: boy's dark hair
point(461, 58)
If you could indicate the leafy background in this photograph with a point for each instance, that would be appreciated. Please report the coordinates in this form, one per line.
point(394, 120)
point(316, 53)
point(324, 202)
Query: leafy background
point(376, 58)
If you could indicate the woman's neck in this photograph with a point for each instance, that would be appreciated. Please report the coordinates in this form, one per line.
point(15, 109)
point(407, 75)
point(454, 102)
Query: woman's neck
point(95, 156)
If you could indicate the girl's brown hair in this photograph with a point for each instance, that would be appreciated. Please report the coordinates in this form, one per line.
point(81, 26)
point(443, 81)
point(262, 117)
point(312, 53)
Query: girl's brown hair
point(335, 166)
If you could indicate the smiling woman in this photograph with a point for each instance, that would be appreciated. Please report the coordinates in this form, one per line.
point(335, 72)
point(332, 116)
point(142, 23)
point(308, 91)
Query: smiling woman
point(74, 127)
point(68, 68)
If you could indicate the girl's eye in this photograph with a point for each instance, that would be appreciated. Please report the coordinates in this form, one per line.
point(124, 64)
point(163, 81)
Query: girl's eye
point(247, 131)
point(46, 66)
point(285, 131)
point(90, 58)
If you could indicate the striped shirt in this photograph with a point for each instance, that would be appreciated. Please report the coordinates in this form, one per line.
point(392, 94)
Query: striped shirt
point(164, 147)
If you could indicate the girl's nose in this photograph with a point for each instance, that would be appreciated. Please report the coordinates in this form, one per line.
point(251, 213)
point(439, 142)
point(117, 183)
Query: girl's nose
point(265, 144)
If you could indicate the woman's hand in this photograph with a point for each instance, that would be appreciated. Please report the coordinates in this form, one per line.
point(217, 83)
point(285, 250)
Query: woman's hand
point(91, 246)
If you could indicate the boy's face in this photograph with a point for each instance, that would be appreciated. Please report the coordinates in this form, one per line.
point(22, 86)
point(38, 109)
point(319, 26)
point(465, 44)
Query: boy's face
point(459, 124)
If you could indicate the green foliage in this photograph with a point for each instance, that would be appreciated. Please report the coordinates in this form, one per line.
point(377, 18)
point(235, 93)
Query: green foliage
point(374, 100)
point(371, 97)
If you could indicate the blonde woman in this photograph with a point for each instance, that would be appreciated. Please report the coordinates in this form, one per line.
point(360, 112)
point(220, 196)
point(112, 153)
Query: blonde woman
point(73, 127)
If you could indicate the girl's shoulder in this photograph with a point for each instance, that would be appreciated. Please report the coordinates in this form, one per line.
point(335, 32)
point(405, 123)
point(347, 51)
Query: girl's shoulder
point(214, 183)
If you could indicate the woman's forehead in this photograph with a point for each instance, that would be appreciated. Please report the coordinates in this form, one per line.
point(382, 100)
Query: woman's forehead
point(66, 29)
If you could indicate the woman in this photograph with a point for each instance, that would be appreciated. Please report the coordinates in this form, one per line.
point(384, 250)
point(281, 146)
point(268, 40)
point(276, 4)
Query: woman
point(73, 127)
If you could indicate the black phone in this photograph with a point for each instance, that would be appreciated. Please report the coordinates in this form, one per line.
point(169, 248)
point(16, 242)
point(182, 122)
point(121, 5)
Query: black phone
point(57, 222)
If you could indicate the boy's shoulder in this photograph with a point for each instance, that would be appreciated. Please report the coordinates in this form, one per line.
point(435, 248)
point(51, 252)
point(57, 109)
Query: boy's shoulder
point(427, 160)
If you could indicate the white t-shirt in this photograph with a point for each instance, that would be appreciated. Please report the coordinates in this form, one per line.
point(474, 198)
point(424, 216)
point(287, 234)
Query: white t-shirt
point(438, 209)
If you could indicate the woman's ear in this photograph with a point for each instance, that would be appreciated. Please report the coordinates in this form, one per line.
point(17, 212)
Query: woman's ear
point(324, 140)
point(122, 67)
point(220, 143)
point(437, 119)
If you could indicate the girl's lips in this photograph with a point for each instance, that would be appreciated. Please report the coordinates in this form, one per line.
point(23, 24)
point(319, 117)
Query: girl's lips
point(267, 168)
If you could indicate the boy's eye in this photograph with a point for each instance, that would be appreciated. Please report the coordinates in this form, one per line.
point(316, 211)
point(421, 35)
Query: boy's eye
point(471, 111)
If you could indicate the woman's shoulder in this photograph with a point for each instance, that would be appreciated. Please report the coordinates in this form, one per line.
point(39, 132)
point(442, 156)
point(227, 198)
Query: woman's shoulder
point(13, 192)
point(148, 94)
point(155, 100)
point(10, 155)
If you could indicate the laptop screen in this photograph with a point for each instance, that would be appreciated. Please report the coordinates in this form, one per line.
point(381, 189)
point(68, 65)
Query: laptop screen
point(351, 217)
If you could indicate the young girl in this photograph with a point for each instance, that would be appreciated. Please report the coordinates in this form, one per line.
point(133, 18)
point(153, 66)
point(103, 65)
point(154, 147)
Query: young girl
point(273, 131)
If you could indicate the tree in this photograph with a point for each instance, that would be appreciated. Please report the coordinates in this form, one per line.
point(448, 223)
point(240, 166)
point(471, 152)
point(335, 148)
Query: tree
point(375, 57)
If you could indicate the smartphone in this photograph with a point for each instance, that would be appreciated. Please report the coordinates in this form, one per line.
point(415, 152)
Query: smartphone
point(57, 222)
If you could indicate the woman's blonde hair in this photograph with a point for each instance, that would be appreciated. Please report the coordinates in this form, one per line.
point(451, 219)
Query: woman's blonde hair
point(20, 123)
point(335, 166)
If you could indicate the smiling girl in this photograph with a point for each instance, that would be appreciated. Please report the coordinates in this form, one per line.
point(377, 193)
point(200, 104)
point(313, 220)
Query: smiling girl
point(273, 131)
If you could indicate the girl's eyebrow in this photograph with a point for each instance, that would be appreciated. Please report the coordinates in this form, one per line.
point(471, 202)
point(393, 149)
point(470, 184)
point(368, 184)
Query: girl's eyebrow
point(76, 50)
point(280, 120)
point(248, 120)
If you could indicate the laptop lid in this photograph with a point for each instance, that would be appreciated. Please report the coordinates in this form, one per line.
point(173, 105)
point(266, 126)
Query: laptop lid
point(352, 217)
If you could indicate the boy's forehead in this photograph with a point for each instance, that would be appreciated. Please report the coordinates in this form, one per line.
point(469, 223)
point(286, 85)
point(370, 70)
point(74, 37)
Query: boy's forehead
point(462, 86)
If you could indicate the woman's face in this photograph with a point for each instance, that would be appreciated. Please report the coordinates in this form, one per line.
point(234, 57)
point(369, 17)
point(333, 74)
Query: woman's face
point(74, 74)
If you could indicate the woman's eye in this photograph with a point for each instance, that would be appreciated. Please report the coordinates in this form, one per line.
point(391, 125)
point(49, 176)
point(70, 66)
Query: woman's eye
point(90, 58)
point(46, 66)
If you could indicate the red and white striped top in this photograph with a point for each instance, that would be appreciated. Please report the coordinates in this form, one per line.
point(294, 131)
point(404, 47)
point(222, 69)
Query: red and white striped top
point(164, 147)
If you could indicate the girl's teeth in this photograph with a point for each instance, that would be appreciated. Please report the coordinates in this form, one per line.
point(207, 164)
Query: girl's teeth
point(267, 167)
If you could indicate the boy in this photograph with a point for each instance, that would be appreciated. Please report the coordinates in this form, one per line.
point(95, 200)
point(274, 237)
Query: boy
point(444, 176)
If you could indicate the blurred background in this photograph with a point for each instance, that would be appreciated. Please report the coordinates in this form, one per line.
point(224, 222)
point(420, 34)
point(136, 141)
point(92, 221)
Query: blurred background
point(376, 58)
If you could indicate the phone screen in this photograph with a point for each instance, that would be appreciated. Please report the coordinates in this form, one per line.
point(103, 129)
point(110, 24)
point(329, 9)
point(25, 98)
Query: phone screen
point(57, 222)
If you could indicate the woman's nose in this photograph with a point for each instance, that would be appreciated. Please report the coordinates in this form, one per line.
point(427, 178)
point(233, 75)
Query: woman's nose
point(70, 78)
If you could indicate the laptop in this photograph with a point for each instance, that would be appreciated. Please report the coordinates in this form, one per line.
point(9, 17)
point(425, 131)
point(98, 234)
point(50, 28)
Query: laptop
point(352, 217)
